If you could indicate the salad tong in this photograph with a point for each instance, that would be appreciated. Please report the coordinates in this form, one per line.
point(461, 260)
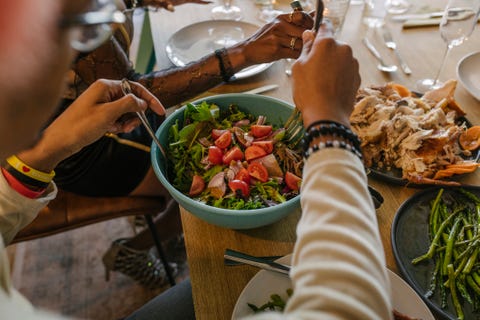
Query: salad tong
point(127, 89)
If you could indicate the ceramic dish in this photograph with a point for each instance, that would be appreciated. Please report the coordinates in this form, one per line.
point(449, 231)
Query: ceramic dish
point(468, 73)
point(410, 239)
point(200, 39)
point(276, 112)
point(265, 283)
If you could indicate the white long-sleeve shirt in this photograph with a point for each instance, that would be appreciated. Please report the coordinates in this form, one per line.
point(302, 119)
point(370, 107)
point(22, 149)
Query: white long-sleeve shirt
point(338, 262)
point(338, 267)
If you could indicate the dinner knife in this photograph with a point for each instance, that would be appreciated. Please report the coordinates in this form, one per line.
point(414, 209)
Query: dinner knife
point(417, 16)
point(262, 89)
point(388, 40)
point(256, 261)
point(415, 23)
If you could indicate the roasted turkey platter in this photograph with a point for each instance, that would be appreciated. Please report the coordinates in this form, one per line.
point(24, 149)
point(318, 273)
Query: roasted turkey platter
point(415, 140)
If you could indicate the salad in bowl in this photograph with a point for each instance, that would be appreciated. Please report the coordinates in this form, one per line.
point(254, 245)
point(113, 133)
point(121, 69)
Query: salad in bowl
point(228, 160)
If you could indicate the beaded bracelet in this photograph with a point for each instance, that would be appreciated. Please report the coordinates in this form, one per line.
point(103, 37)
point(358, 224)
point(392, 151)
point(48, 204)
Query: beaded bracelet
point(226, 69)
point(36, 176)
point(341, 137)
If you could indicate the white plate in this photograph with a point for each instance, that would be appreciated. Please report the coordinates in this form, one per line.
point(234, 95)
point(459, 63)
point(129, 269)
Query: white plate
point(265, 283)
point(468, 72)
point(200, 39)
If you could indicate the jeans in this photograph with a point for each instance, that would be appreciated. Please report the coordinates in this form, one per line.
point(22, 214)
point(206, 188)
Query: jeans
point(174, 303)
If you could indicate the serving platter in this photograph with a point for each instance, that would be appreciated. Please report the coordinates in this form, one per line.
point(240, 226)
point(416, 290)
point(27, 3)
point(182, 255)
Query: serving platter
point(200, 39)
point(410, 239)
point(468, 73)
point(265, 283)
point(394, 175)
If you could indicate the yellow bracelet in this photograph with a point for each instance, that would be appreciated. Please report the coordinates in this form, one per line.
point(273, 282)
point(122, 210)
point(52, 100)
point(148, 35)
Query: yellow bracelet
point(25, 169)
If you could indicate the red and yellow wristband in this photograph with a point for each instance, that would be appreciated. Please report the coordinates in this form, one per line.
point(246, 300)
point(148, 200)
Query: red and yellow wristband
point(26, 180)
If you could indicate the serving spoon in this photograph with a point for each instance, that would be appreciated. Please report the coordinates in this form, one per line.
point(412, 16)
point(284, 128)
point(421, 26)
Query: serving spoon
point(382, 66)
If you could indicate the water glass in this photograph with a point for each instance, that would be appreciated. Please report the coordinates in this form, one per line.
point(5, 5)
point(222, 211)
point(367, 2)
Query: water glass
point(335, 11)
point(374, 13)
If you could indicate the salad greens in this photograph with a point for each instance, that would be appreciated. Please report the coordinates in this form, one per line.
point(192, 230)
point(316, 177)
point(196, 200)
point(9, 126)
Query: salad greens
point(275, 303)
point(189, 145)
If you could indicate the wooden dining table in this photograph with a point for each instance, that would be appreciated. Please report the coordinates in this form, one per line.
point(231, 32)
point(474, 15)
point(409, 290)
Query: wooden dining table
point(216, 287)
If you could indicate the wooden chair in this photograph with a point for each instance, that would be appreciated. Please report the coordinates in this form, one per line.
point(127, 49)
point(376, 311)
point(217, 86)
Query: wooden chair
point(70, 211)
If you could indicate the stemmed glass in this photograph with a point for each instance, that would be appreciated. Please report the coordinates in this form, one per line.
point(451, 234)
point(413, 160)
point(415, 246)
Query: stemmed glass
point(397, 6)
point(458, 21)
point(227, 11)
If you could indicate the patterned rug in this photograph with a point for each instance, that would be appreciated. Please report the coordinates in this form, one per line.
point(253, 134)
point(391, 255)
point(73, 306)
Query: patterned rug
point(64, 273)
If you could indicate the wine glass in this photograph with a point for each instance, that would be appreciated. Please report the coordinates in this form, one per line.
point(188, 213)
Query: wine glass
point(227, 11)
point(458, 21)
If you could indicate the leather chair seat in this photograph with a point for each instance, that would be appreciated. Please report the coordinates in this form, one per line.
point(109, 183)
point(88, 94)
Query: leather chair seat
point(70, 211)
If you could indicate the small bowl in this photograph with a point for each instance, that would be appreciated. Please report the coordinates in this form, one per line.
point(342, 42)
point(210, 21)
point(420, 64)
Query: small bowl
point(277, 112)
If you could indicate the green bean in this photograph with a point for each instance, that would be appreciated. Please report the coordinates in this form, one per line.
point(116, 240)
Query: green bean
point(450, 241)
point(473, 284)
point(471, 261)
point(436, 239)
point(454, 232)
point(453, 292)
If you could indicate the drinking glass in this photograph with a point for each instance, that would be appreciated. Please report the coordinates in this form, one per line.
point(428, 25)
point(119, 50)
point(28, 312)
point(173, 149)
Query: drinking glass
point(458, 21)
point(397, 6)
point(335, 11)
point(227, 11)
point(374, 13)
point(267, 10)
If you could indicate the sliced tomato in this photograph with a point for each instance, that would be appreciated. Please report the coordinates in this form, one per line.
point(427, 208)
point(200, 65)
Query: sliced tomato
point(293, 181)
point(239, 187)
point(243, 175)
point(224, 141)
point(215, 155)
point(216, 133)
point(233, 154)
point(197, 186)
point(260, 130)
point(266, 145)
point(258, 171)
point(254, 152)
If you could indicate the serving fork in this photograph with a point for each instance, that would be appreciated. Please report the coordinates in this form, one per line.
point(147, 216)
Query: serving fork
point(387, 38)
point(294, 125)
point(127, 89)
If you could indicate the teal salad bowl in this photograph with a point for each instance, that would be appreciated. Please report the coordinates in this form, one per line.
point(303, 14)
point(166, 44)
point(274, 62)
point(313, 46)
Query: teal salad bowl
point(276, 112)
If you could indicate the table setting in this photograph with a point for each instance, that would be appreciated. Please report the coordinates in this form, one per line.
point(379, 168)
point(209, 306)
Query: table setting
point(220, 291)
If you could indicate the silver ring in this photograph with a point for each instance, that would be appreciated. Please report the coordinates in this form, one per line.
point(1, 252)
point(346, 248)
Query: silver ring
point(125, 85)
point(292, 43)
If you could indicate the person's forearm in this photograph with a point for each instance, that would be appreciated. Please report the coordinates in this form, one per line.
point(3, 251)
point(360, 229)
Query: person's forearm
point(176, 85)
point(46, 153)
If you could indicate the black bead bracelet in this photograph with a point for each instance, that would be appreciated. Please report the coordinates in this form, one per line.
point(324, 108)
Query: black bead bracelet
point(339, 137)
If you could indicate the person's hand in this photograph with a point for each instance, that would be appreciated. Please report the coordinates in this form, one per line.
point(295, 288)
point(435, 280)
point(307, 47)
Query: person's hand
point(278, 39)
point(102, 108)
point(325, 79)
point(170, 4)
